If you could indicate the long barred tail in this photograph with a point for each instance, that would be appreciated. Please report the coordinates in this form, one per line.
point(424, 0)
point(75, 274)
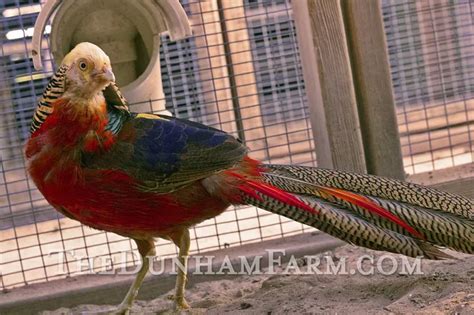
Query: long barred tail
point(369, 211)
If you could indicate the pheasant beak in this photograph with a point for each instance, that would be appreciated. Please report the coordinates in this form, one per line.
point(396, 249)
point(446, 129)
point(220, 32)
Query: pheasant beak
point(107, 74)
point(104, 75)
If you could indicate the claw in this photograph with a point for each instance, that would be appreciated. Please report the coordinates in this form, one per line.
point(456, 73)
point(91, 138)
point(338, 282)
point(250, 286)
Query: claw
point(181, 304)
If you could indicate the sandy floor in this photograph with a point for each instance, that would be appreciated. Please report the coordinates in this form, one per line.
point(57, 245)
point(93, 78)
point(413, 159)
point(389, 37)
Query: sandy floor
point(444, 287)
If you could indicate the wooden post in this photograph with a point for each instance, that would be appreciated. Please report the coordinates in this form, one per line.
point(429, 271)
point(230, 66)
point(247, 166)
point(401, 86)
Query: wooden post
point(373, 86)
point(243, 84)
point(328, 78)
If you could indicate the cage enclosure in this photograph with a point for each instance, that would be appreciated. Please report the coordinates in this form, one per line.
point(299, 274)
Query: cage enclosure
point(378, 86)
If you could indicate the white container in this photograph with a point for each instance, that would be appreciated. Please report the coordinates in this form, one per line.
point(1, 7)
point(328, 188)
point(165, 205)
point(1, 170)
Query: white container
point(128, 31)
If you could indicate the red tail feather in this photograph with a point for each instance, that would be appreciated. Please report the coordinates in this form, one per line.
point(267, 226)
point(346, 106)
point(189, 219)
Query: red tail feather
point(250, 187)
point(365, 203)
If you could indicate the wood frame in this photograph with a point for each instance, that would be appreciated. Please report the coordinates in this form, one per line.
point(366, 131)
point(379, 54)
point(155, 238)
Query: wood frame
point(373, 85)
point(329, 84)
point(458, 179)
point(348, 83)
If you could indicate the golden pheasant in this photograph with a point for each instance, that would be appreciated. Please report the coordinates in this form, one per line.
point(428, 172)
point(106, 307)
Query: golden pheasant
point(145, 176)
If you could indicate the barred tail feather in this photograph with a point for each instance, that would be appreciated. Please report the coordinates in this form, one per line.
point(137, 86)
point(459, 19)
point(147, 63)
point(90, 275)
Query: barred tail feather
point(380, 219)
point(346, 226)
point(381, 187)
point(437, 227)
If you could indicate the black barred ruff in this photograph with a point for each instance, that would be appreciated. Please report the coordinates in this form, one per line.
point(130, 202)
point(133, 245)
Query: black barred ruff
point(54, 90)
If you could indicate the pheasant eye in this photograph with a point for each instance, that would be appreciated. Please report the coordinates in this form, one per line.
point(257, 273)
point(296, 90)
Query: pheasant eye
point(82, 65)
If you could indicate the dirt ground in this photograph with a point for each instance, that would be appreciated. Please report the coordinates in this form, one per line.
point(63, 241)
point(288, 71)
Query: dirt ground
point(442, 287)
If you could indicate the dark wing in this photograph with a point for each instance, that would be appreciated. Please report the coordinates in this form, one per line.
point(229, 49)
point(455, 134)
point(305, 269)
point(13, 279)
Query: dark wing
point(164, 153)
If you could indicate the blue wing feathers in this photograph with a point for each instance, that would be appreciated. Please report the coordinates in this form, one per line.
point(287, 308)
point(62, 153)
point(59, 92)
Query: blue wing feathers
point(164, 153)
point(163, 143)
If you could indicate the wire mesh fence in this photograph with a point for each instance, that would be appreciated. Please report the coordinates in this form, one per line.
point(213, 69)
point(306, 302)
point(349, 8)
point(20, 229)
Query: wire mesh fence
point(240, 72)
point(431, 51)
point(258, 96)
